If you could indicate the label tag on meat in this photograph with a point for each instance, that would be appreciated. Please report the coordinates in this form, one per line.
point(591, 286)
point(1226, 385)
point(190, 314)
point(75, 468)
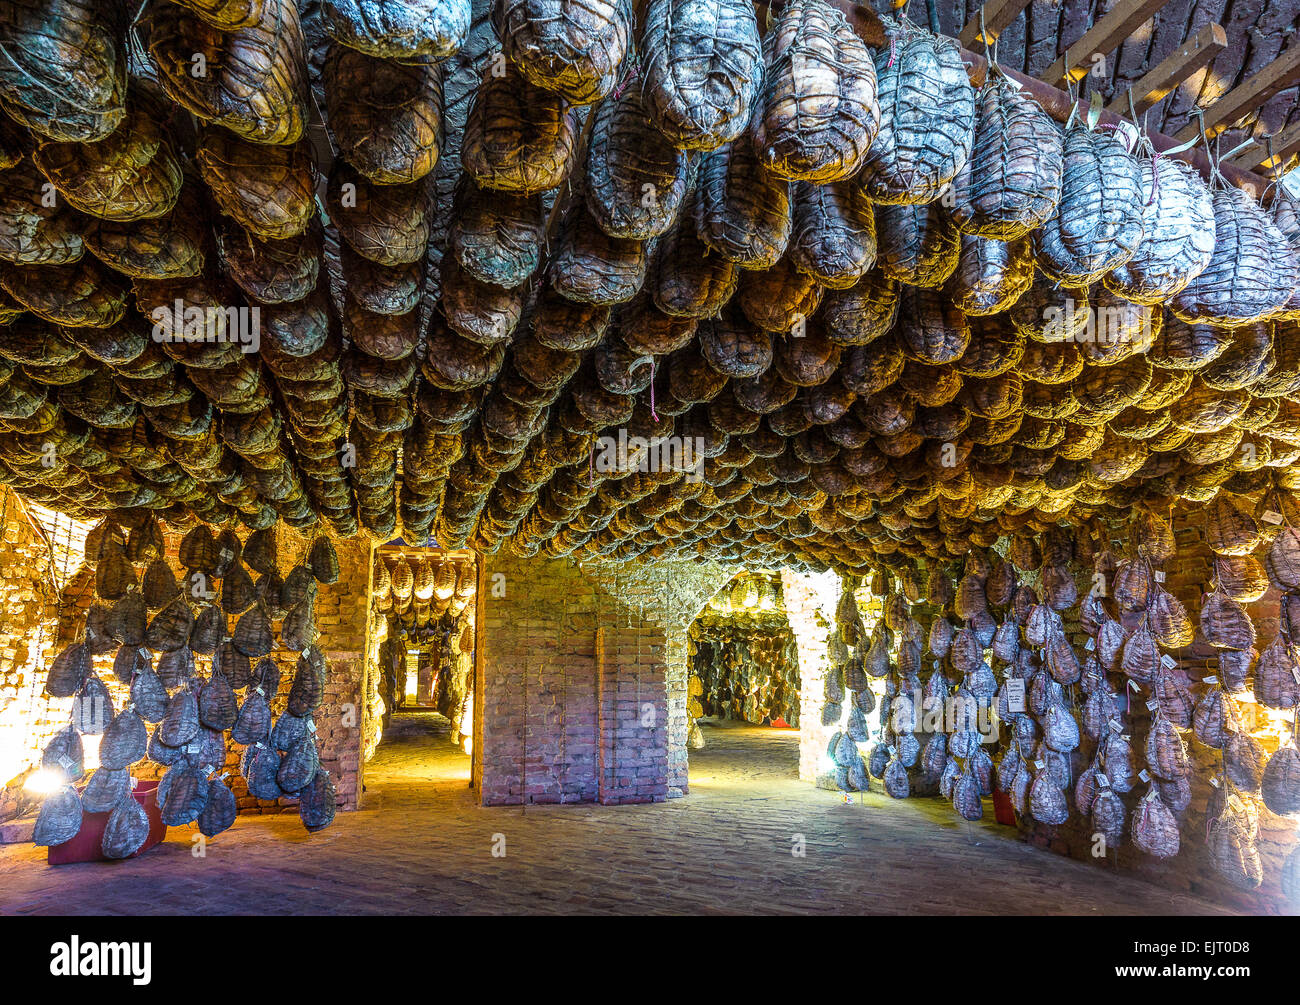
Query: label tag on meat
point(1134, 685)
point(1214, 781)
point(1038, 765)
point(1127, 133)
point(1144, 776)
point(1271, 516)
point(1168, 662)
point(1209, 680)
point(1160, 575)
point(1116, 726)
point(1103, 781)
point(1015, 695)
point(1153, 704)
point(1091, 644)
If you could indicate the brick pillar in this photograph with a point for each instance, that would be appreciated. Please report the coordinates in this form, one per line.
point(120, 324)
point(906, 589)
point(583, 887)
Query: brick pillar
point(810, 608)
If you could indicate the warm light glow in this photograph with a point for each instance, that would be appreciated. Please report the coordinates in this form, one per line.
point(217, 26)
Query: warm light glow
point(466, 726)
point(90, 751)
point(45, 781)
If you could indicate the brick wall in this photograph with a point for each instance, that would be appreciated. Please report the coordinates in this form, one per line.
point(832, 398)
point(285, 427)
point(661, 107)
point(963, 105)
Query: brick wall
point(582, 687)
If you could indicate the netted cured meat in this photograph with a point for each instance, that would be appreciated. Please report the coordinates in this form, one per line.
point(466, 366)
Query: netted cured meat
point(780, 299)
point(570, 47)
point(916, 244)
point(131, 174)
point(1177, 234)
point(65, 66)
point(497, 236)
point(1097, 225)
point(927, 115)
point(84, 294)
point(273, 272)
point(271, 192)
point(518, 137)
point(165, 247)
point(635, 181)
point(991, 275)
point(386, 116)
point(702, 63)
point(1251, 273)
point(1011, 183)
point(864, 311)
point(686, 279)
point(834, 235)
point(743, 211)
point(819, 111)
point(387, 224)
point(416, 31)
point(35, 230)
point(1154, 826)
point(589, 266)
point(253, 80)
point(930, 328)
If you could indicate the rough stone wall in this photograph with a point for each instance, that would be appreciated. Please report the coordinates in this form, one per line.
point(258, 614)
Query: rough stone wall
point(583, 679)
point(1188, 574)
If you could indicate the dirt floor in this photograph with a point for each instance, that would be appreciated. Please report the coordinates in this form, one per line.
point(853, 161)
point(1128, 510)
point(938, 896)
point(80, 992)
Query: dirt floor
point(422, 846)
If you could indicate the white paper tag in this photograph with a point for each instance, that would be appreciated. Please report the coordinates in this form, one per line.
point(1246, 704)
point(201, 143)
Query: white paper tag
point(1271, 516)
point(134, 782)
point(1091, 644)
point(1160, 575)
point(1168, 662)
point(1116, 727)
point(1144, 776)
point(1134, 685)
point(311, 726)
point(1152, 705)
point(1209, 680)
point(1127, 133)
point(1103, 781)
point(1015, 695)
point(1038, 765)
point(1214, 781)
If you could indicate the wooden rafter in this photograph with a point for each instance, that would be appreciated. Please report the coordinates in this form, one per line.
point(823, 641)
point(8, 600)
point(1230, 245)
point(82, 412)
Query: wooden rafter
point(1103, 37)
point(1248, 97)
point(998, 17)
point(1180, 64)
point(1256, 157)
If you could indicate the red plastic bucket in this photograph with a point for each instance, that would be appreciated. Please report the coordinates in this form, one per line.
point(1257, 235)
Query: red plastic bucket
point(85, 847)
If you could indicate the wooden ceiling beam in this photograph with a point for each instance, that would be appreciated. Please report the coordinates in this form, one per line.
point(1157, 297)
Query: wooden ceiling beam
point(1248, 97)
point(1103, 37)
point(1256, 157)
point(1193, 55)
point(999, 15)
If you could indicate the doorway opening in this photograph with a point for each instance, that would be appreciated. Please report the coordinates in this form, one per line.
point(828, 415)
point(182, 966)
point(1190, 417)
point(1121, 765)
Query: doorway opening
point(743, 687)
point(423, 603)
